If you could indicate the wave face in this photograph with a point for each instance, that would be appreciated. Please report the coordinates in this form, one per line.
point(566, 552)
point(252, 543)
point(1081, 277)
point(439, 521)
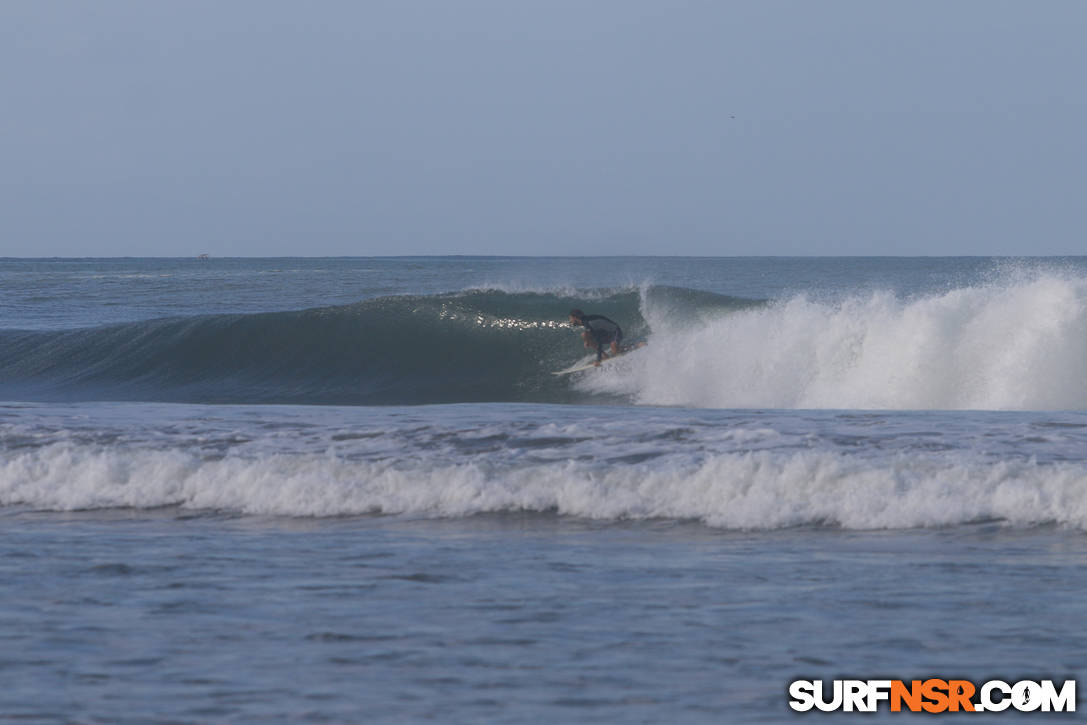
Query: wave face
point(1017, 344)
point(474, 346)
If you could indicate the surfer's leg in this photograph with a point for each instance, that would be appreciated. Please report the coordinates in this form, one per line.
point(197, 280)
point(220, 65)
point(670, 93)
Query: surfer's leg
point(607, 341)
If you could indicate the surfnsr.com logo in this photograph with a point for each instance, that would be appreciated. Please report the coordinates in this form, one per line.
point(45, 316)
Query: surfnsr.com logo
point(932, 695)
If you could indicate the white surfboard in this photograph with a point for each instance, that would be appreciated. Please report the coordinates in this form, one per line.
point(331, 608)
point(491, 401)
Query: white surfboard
point(589, 362)
point(584, 364)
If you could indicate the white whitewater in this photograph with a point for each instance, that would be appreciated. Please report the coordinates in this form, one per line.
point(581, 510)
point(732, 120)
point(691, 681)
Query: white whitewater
point(1013, 345)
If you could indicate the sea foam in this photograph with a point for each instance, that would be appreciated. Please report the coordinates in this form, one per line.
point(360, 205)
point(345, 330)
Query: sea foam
point(745, 490)
point(1014, 345)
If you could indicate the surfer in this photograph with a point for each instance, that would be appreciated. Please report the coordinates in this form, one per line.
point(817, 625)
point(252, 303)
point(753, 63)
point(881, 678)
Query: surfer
point(600, 332)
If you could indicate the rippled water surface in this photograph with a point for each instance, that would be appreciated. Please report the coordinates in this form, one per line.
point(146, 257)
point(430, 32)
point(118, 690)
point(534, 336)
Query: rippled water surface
point(167, 615)
point(351, 490)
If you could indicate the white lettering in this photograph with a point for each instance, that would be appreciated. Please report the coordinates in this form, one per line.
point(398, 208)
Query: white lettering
point(854, 695)
point(878, 690)
point(803, 694)
point(1064, 701)
point(835, 701)
point(987, 702)
point(1026, 696)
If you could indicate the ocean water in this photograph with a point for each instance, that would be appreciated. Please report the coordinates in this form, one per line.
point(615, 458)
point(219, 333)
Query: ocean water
point(350, 490)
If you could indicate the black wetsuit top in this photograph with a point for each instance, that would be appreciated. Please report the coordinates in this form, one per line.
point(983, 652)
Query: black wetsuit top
point(604, 332)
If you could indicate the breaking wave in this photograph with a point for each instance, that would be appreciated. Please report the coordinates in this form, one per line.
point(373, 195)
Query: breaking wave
point(474, 346)
point(1015, 344)
point(744, 490)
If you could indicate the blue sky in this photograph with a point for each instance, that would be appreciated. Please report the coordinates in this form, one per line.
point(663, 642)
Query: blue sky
point(559, 127)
